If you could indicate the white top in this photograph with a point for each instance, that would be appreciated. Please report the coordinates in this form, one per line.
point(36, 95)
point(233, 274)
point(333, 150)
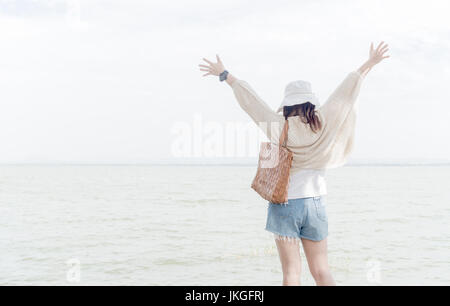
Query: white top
point(307, 183)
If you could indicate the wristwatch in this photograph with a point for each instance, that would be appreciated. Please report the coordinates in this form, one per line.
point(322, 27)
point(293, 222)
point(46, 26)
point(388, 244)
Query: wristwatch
point(223, 75)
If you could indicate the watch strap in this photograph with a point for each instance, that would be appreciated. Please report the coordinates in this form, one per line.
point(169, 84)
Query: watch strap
point(223, 75)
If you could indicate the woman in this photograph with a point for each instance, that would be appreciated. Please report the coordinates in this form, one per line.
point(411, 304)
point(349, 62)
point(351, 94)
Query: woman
point(320, 138)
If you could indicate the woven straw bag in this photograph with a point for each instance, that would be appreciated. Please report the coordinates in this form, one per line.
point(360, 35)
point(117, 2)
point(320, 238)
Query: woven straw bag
point(272, 177)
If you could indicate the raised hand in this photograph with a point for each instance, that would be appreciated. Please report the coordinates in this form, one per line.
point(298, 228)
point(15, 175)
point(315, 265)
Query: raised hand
point(377, 55)
point(212, 68)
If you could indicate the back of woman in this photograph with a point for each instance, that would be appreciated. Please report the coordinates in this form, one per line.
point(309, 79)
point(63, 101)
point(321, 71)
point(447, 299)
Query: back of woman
point(320, 138)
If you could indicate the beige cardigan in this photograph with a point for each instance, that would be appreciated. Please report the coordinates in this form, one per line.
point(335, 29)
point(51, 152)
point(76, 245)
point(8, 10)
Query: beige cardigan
point(329, 147)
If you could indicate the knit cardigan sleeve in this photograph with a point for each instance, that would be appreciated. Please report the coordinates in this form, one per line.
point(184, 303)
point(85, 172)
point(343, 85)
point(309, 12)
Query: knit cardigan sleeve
point(270, 122)
point(342, 100)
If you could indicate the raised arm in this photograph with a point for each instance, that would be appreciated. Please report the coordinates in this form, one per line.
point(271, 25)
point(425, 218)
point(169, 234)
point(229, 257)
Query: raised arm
point(342, 100)
point(375, 56)
point(268, 120)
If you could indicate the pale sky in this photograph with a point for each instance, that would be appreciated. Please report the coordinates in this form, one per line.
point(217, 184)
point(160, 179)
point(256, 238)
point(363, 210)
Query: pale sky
point(105, 81)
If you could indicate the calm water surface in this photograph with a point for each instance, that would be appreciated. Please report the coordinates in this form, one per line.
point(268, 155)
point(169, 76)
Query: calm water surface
point(203, 225)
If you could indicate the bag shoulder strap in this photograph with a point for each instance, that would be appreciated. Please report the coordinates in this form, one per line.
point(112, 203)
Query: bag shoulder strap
point(284, 134)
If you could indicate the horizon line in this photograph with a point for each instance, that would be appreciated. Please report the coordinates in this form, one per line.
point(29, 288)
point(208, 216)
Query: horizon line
point(235, 164)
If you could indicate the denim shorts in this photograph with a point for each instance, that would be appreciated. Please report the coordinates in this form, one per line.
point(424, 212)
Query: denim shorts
point(299, 218)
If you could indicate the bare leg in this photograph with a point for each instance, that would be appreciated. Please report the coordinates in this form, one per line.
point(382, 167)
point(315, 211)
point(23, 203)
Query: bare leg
point(316, 255)
point(289, 251)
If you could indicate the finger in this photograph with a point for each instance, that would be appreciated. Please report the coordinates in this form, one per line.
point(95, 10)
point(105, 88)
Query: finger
point(387, 56)
point(381, 43)
point(384, 48)
point(207, 61)
point(206, 74)
point(202, 69)
point(205, 66)
point(383, 52)
point(371, 46)
point(218, 58)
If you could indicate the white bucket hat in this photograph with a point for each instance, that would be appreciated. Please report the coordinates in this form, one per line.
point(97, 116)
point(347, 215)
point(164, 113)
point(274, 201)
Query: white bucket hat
point(298, 92)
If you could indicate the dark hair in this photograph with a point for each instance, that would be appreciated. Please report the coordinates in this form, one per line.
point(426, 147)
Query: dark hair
point(306, 110)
